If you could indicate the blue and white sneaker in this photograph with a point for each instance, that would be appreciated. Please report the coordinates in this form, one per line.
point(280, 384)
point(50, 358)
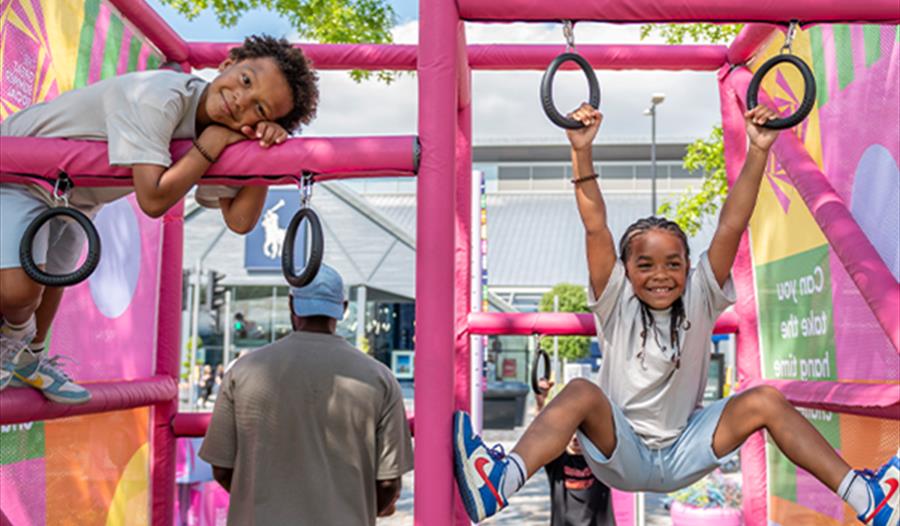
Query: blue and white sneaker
point(480, 470)
point(10, 350)
point(884, 494)
point(46, 374)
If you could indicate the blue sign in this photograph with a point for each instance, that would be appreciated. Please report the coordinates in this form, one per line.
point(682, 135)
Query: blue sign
point(262, 246)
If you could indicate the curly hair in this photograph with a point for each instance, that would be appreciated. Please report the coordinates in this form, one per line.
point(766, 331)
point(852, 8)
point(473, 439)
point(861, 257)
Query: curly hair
point(296, 69)
point(678, 321)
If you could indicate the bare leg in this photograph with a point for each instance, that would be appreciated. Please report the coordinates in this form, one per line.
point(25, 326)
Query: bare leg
point(19, 296)
point(765, 407)
point(580, 405)
point(47, 311)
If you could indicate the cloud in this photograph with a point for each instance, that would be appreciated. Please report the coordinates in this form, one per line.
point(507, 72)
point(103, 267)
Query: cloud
point(506, 107)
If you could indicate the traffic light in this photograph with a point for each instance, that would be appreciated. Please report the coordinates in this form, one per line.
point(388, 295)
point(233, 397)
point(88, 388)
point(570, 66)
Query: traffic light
point(216, 290)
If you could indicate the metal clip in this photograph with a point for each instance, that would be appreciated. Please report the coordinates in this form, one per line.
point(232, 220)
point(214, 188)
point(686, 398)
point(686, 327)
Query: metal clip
point(306, 187)
point(61, 188)
point(789, 38)
point(569, 34)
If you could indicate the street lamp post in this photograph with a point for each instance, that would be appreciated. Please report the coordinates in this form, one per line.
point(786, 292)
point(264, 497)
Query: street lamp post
point(655, 101)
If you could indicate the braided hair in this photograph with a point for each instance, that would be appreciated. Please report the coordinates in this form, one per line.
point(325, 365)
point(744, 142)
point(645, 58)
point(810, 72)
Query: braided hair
point(678, 317)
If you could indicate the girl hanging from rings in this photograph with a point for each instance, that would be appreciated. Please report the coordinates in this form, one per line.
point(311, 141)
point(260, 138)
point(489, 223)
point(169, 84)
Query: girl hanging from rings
point(643, 427)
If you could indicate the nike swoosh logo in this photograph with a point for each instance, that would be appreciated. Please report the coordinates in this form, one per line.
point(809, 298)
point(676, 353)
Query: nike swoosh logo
point(38, 382)
point(479, 468)
point(894, 484)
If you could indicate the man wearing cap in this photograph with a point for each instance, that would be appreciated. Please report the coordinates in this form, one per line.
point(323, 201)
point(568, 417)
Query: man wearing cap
point(308, 429)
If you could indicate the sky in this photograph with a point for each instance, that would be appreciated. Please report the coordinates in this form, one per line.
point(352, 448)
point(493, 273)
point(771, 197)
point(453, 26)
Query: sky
point(506, 106)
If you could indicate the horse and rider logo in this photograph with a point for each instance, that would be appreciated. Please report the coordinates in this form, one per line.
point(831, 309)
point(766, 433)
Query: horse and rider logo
point(272, 230)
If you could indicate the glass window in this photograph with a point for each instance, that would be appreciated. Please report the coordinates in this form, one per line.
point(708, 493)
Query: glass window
point(613, 171)
point(514, 172)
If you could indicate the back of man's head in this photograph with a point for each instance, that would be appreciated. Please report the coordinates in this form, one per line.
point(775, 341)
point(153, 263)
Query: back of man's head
point(322, 300)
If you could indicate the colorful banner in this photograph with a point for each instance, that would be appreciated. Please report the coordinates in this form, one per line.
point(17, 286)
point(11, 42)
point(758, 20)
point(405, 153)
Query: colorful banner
point(87, 470)
point(813, 324)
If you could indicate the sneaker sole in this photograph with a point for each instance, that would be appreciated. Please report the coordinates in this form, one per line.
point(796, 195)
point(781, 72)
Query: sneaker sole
point(463, 480)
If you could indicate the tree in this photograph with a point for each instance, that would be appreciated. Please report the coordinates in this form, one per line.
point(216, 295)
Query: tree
point(325, 21)
point(708, 154)
point(572, 298)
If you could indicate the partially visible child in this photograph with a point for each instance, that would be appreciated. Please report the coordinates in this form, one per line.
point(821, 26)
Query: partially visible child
point(577, 498)
point(644, 428)
point(265, 88)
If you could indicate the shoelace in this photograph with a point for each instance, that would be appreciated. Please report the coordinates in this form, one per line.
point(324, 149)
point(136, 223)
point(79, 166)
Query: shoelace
point(53, 363)
point(497, 452)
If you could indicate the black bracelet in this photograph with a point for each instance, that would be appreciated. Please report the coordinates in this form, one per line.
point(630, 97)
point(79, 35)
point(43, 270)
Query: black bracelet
point(203, 152)
point(584, 178)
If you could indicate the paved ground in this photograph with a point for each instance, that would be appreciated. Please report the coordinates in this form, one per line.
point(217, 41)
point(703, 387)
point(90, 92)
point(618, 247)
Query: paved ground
point(529, 507)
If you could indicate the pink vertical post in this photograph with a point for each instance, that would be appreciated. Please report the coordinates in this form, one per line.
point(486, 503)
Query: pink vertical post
point(162, 457)
point(438, 67)
point(753, 452)
point(463, 275)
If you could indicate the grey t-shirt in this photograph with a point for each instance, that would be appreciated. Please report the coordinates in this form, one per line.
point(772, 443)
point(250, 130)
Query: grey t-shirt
point(309, 424)
point(656, 397)
point(138, 114)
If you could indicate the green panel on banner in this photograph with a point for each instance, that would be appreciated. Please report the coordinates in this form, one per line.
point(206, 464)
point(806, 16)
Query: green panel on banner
point(86, 43)
point(795, 317)
point(782, 472)
point(843, 49)
point(20, 442)
point(112, 48)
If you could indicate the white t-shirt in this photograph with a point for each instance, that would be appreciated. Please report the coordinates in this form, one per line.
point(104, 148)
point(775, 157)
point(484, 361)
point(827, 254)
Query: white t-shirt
point(656, 397)
point(137, 114)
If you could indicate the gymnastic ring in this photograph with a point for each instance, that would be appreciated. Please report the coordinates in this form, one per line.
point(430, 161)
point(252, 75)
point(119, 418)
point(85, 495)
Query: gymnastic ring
point(535, 379)
point(809, 91)
point(547, 90)
point(315, 253)
point(60, 280)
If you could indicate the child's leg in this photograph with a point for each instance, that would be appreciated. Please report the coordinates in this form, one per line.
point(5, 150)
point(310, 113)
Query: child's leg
point(873, 496)
point(19, 296)
point(581, 404)
point(45, 313)
point(765, 407)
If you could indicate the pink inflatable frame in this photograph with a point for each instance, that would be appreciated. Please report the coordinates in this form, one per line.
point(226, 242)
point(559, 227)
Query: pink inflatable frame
point(444, 63)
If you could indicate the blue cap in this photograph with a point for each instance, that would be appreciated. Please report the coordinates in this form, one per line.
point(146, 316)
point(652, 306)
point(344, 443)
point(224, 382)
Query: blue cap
point(324, 296)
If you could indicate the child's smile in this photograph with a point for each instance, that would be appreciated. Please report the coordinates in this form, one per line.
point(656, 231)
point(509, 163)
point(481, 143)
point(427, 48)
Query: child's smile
point(657, 267)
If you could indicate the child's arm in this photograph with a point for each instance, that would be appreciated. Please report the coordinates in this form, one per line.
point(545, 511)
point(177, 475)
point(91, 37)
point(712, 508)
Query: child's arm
point(600, 247)
point(243, 210)
point(741, 199)
point(158, 188)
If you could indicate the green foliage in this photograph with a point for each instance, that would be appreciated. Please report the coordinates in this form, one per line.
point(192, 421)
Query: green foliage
point(691, 208)
point(572, 298)
point(325, 21)
point(705, 33)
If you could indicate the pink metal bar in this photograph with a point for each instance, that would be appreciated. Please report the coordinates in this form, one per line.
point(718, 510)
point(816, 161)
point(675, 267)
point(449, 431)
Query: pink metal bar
point(323, 56)
point(753, 452)
point(243, 163)
point(748, 42)
point(490, 57)
point(606, 57)
point(194, 425)
point(148, 22)
point(642, 11)
point(874, 280)
point(18, 405)
point(438, 76)
point(168, 364)
point(874, 400)
point(559, 323)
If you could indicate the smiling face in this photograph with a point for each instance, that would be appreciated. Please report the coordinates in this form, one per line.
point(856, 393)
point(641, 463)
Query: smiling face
point(657, 267)
point(245, 93)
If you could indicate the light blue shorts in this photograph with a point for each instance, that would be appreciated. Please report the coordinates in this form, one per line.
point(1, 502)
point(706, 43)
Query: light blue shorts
point(635, 467)
point(58, 244)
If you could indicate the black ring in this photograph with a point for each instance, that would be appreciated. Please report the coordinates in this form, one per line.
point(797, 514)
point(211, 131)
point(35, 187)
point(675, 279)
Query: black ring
point(535, 379)
point(315, 253)
point(809, 91)
point(547, 90)
point(60, 280)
